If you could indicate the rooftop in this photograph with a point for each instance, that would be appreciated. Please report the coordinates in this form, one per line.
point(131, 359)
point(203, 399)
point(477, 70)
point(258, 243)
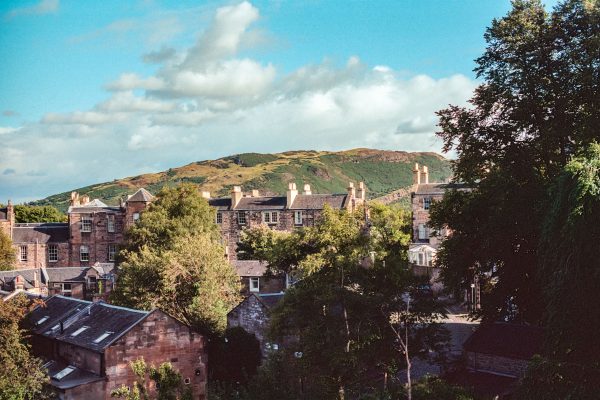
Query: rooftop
point(438, 188)
point(41, 233)
point(250, 267)
point(301, 202)
point(142, 195)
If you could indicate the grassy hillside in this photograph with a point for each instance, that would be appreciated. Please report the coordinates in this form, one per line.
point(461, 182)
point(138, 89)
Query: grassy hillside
point(327, 172)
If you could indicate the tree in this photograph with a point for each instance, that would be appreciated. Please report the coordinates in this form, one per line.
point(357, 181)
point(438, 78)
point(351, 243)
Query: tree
point(538, 105)
point(352, 281)
point(172, 259)
point(7, 252)
point(27, 213)
point(167, 381)
point(235, 357)
point(22, 376)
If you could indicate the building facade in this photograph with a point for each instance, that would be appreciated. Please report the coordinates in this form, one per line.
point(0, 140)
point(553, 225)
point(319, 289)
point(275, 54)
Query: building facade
point(88, 347)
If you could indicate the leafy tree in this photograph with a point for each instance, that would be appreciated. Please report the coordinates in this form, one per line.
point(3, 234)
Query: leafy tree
point(27, 213)
point(340, 312)
point(172, 259)
point(538, 105)
point(7, 252)
point(167, 381)
point(21, 374)
point(236, 356)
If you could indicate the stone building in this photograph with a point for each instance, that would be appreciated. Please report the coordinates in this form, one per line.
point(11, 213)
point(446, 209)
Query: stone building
point(282, 213)
point(87, 347)
point(503, 349)
point(254, 279)
point(253, 314)
point(90, 283)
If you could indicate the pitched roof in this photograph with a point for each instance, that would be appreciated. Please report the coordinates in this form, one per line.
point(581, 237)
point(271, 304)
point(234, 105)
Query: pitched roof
point(506, 339)
point(250, 267)
point(41, 233)
point(270, 300)
point(84, 323)
point(262, 203)
point(301, 202)
point(142, 195)
point(76, 377)
point(318, 201)
point(90, 208)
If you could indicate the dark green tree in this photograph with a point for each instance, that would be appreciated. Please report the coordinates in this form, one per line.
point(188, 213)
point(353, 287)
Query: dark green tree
point(27, 213)
point(7, 252)
point(22, 376)
point(538, 105)
point(173, 259)
point(343, 311)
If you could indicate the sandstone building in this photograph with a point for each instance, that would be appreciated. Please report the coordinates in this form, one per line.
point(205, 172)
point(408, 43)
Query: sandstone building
point(88, 346)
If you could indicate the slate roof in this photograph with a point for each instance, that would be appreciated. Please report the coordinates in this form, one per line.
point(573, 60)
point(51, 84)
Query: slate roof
point(42, 233)
point(53, 274)
point(250, 267)
point(142, 195)
point(76, 378)
point(439, 188)
point(270, 300)
point(27, 274)
point(301, 202)
point(88, 208)
point(506, 340)
point(99, 318)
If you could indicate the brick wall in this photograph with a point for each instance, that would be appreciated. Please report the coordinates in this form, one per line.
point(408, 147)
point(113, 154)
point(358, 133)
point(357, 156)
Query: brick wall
point(80, 357)
point(159, 338)
point(496, 364)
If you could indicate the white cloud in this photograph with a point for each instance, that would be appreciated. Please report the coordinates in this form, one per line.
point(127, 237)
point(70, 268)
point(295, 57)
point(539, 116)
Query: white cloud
point(5, 130)
point(43, 7)
point(128, 102)
point(89, 118)
point(130, 81)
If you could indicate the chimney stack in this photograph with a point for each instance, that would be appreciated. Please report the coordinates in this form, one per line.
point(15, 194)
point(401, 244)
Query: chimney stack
point(236, 196)
point(10, 211)
point(255, 193)
point(307, 190)
point(205, 195)
point(85, 199)
point(74, 199)
point(351, 190)
point(416, 175)
point(424, 174)
point(362, 191)
point(291, 194)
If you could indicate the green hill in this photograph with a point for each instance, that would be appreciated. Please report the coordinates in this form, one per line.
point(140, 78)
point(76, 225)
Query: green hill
point(326, 172)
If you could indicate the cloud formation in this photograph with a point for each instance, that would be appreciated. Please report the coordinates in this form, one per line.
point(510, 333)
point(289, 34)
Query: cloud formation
point(43, 7)
point(208, 101)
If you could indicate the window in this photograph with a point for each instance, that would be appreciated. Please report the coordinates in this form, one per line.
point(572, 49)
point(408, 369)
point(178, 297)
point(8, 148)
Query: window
point(426, 203)
point(421, 258)
point(219, 218)
point(66, 289)
point(23, 252)
point(298, 217)
point(110, 223)
point(270, 217)
point(84, 253)
point(86, 223)
point(241, 217)
point(423, 234)
point(61, 374)
point(102, 337)
point(136, 217)
point(52, 253)
point(78, 331)
point(112, 250)
point(254, 284)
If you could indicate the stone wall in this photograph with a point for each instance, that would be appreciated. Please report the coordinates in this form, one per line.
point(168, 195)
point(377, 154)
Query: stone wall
point(80, 357)
point(97, 240)
point(158, 338)
point(37, 255)
point(421, 216)
point(253, 316)
point(496, 364)
point(265, 285)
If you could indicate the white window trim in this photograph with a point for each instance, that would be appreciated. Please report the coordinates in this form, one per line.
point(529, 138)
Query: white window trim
point(52, 251)
point(113, 253)
point(241, 221)
point(110, 223)
point(298, 217)
point(86, 219)
point(64, 290)
point(23, 252)
point(252, 286)
point(270, 217)
point(81, 253)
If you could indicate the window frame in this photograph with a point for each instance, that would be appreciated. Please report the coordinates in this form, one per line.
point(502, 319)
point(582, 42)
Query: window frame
point(52, 252)
point(219, 218)
point(110, 223)
point(422, 232)
point(64, 291)
point(81, 253)
point(113, 253)
point(86, 223)
point(270, 217)
point(135, 217)
point(243, 220)
point(427, 203)
point(300, 214)
point(251, 286)
point(23, 252)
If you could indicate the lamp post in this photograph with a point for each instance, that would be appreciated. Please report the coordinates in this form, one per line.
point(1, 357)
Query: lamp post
point(472, 297)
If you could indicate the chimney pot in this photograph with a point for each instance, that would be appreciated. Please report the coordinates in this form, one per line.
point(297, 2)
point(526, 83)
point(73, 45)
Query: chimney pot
point(351, 190)
point(205, 194)
point(362, 191)
point(255, 193)
point(307, 189)
point(425, 174)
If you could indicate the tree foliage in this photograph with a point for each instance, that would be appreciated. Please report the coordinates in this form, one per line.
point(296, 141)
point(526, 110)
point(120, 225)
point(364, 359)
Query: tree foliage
point(27, 213)
point(7, 252)
point(22, 376)
point(340, 315)
point(167, 381)
point(172, 259)
point(539, 104)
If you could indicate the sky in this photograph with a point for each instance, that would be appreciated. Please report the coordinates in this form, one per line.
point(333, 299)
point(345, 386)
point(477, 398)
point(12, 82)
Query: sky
point(96, 91)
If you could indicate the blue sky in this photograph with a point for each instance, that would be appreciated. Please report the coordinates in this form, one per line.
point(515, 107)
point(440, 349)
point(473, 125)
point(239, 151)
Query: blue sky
point(93, 91)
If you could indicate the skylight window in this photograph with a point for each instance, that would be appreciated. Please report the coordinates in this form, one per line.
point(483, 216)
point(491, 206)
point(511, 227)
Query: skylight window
point(78, 331)
point(42, 320)
point(53, 329)
point(102, 337)
point(61, 374)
